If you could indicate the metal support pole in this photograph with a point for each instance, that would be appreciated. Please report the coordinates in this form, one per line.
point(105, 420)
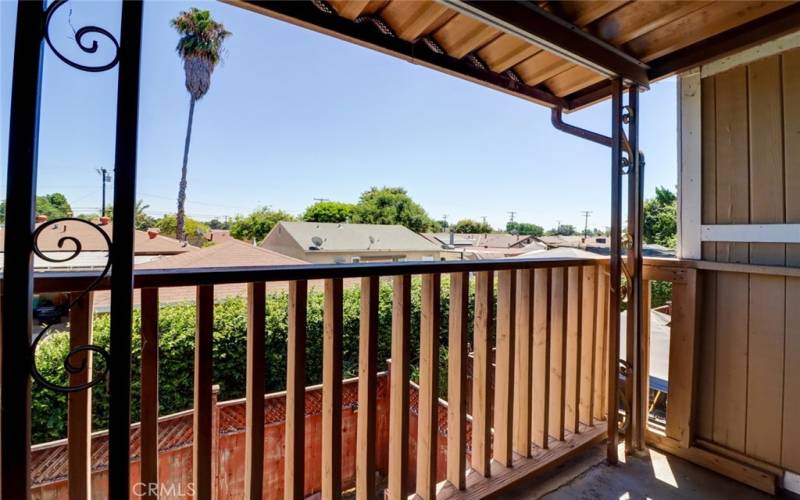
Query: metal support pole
point(15, 396)
point(615, 296)
point(122, 255)
point(635, 303)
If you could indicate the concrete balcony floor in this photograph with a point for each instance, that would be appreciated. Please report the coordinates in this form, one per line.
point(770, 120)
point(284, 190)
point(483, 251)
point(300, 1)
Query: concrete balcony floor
point(654, 475)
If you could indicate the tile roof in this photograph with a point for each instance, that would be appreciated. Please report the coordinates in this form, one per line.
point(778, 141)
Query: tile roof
point(231, 253)
point(354, 237)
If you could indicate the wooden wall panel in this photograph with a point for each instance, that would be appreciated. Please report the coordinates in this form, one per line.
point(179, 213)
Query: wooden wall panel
point(791, 143)
point(732, 173)
point(790, 452)
point(749, 388)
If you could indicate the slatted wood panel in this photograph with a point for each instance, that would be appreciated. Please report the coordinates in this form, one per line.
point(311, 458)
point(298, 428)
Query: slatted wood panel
point(504, 368)
point(332, 390)
point(523, 353)
point(149, 391)
point(481, 364)
point(367, 389)
point(428, 418)
point(457, 380)
point(398, 420)
point(202, 468)
point(601, 344)
point(558, 347)
point(542, 333)
point(294, 453)
point(79, 403)
point(751, 174)
point(573, 352)
point(588, 354)
point(683, 344)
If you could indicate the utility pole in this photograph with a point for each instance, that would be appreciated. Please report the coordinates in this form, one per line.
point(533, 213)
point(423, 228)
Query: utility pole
point(483, 218)
point(586, 214)
point(105, 178)
point(511, 214)
point(319, 200)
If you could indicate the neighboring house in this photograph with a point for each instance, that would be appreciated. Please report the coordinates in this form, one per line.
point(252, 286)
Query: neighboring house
point(485, 246)
point(56, 243)
point(233, 253)
point(600, 245)
point(319, 242)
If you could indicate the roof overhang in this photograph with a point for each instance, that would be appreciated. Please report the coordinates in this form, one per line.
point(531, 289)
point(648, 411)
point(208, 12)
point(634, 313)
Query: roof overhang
point(562, 55)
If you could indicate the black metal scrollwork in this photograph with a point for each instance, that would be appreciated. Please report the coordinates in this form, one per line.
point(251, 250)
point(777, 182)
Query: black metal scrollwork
point(69, 366)
point(80, 34)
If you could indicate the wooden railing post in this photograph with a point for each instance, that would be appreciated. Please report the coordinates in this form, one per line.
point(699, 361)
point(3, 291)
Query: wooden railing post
point(367, 389)
point(558, 348)
point(457, 380)
point(588, 335)
point(481, 365)
point(202, 470)
point(683, 358)
point(428, 420)
point(542, 314)
point(643, 400)
point(149, 393)
point(294, 458)
point(215, 442)
point(504, 368)
point(398, 418)
point(601, 344)
point(332, 390)
point(573, 352)
point(254, 391)
point(523, 353)
point(79, 412)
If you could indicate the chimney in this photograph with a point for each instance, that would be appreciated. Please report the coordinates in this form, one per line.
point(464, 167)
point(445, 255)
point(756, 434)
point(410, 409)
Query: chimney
point(104, 220)
point(41, 218)
point(452, 238)
point(152, 232)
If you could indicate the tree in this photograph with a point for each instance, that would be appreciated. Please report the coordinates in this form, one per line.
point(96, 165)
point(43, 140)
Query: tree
point(661, 218)
point(563, 230)
point(218, 224)
point(391, 205)
point(195, 230)
point(470, 226)
point(142, 221)
point(200, 48)
point(524, 228)
point(258, 224)
point(329, 211)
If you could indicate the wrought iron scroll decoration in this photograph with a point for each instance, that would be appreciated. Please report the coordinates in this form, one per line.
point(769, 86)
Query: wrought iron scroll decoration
point(69, 364)
point(80, 34)
point(64, 308)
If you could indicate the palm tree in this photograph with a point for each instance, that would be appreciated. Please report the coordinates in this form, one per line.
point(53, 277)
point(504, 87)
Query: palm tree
point(200, 48)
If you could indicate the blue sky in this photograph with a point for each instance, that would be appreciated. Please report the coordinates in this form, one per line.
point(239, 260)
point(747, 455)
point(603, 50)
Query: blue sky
point(294, 115)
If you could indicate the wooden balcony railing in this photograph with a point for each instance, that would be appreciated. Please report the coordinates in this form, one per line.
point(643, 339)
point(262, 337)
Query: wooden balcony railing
point(536, 392)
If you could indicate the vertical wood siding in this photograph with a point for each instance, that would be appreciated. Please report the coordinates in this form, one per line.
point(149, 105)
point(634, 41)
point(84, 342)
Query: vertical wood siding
point(749, 388)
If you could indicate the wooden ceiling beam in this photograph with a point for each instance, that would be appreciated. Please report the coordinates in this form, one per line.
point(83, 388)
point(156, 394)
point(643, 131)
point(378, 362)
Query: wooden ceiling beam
point(742, 37)
point(307, 15)
point(532, 23)
point(747, 35)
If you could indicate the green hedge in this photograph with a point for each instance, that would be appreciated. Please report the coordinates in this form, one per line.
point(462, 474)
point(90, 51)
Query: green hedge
point(177, 325)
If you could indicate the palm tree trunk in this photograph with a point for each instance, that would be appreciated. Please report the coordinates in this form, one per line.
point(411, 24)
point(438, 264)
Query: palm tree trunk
point(181, 215)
